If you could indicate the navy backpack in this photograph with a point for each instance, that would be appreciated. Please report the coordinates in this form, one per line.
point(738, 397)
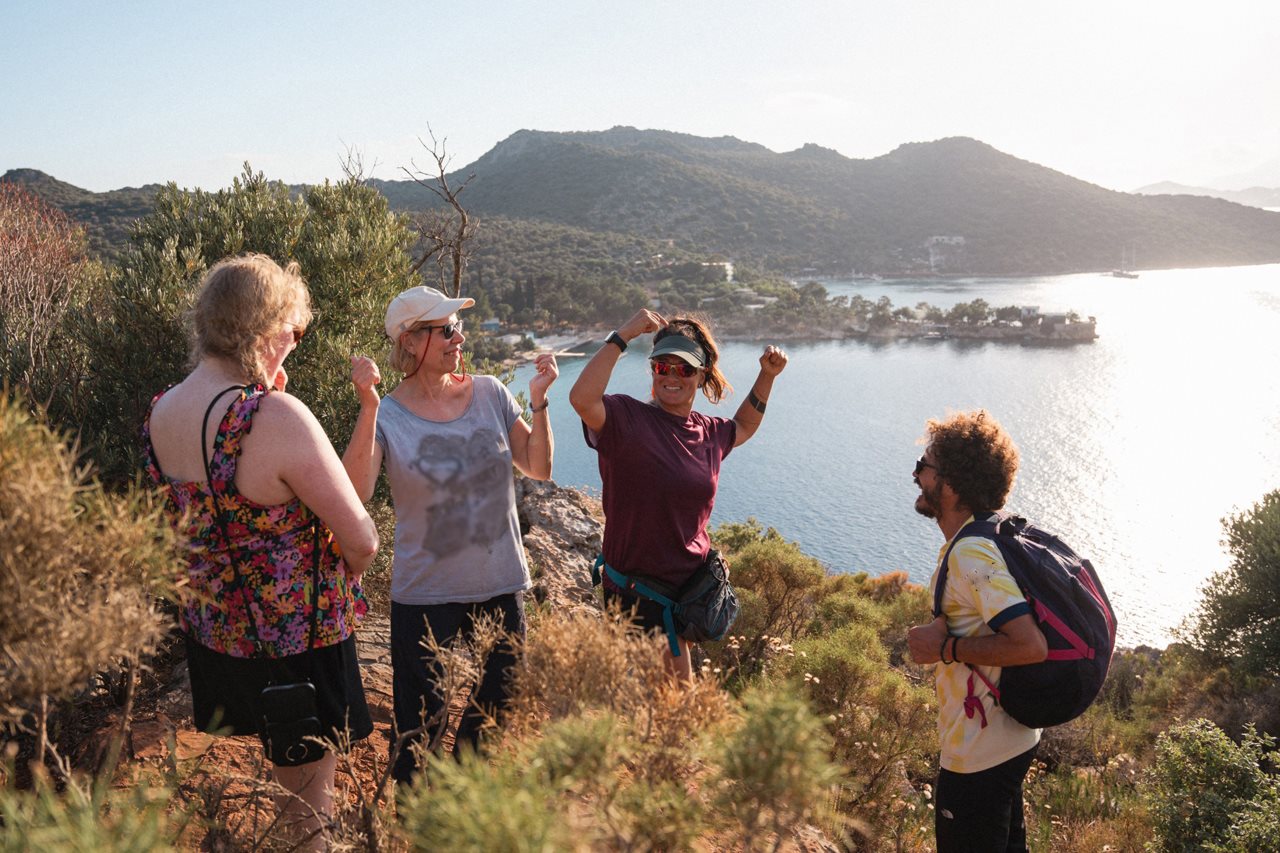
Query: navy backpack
point(1071, 609)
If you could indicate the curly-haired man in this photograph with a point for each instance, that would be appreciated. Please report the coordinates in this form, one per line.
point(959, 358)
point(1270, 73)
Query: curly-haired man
point(967, 471)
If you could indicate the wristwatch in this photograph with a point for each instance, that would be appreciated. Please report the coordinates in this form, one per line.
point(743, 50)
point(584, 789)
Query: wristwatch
point(615, 338)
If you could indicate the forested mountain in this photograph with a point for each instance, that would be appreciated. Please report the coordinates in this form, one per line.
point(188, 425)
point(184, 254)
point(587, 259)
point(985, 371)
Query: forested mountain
point(954, 206)
point(106, 217)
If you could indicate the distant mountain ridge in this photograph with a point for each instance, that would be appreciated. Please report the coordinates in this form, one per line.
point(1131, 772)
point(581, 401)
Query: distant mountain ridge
point(951, 206)
point(107, 216)
point(1253, 196)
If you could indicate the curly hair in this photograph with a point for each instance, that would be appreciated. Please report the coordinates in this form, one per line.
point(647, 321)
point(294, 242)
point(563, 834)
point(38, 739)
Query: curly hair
point(243, 301)
point(714, 384)
point(975, 456)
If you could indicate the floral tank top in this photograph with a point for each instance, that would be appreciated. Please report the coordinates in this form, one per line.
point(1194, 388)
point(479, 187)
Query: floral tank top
point(272, 548)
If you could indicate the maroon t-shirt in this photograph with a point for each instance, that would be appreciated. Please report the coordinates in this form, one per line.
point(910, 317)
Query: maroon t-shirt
point(659, 473)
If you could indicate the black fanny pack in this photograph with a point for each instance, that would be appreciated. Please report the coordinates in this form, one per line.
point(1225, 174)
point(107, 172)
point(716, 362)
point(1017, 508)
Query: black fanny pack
point(702, 609)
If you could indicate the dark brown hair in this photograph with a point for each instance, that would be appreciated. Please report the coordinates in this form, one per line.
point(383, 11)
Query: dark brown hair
point(975, 457)
point(714, 384)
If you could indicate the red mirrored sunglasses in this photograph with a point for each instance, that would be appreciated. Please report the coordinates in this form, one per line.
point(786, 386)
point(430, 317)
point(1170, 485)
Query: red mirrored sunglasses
point(680, 368)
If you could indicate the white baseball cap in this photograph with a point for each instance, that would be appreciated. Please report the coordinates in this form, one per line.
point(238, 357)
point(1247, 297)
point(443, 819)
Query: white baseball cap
point(418, 304)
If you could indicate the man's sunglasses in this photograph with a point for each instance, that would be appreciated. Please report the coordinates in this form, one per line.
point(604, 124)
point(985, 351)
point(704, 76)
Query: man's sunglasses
point(448, 330)
point(921, 465)
point(680, 368)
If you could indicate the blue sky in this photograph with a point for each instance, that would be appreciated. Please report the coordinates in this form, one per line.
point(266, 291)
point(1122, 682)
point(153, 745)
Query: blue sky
point(1120, 93)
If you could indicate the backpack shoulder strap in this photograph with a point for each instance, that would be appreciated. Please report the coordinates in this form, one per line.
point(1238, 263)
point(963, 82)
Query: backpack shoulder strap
point(979, 526)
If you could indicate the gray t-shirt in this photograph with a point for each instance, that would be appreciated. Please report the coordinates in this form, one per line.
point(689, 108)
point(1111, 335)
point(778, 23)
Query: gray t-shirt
point(457, 534)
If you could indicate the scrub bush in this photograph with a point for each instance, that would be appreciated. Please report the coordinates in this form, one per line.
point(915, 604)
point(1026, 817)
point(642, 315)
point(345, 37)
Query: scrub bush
point(883, 726)
point(80, 572)
point(134, 820)
point(353, 252)
point(778, 589)
point(1239, 615)
point(44, 272)
point(774, 770)
point(1207, 792)
point(618, 755)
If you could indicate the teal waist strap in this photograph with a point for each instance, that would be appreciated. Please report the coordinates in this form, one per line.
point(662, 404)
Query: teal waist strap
point(669, 606)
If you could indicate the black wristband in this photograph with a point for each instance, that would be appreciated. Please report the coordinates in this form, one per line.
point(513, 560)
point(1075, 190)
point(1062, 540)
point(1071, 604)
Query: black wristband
point(756, 403)
point(542, 408)
point(615, 338)
point(942, 651)
point(954, 645)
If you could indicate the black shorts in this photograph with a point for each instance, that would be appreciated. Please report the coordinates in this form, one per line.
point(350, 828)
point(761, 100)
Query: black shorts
point(225, 689)
point(645, 612)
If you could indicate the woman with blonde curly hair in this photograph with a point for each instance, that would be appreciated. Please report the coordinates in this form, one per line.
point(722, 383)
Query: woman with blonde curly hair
point(660, 459)
point(276, 537)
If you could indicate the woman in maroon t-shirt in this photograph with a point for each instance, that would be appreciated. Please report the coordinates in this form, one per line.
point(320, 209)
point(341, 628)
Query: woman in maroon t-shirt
point(660, 460)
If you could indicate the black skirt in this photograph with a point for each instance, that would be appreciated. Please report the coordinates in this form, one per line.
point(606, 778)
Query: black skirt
point(225, 689)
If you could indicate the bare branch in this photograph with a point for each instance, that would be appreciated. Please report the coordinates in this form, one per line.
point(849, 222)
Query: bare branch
point(445, 235)
point(352, 164)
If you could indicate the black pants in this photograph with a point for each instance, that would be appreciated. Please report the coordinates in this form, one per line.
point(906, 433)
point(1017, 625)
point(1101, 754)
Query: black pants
point(982, 812)
point(416, 673)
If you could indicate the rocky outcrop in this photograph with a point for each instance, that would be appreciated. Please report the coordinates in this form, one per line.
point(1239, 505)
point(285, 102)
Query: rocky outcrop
point(562, 530)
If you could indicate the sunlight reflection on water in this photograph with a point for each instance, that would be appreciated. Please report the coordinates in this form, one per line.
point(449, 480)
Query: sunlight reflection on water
point(1134, 447)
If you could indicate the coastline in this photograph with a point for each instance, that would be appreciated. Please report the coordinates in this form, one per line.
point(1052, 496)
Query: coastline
point(587, 341)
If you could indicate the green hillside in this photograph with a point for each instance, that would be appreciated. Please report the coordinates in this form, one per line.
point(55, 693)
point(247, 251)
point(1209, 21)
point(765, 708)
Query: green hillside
point(953, 206)
point(995, 214)
point(107, 217)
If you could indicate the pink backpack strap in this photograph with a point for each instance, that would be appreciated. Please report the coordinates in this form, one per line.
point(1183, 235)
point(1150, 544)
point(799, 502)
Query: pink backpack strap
point(974, 703)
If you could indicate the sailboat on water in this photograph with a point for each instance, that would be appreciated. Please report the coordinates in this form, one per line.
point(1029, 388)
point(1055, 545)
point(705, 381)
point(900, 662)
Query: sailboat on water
point(1128, 260)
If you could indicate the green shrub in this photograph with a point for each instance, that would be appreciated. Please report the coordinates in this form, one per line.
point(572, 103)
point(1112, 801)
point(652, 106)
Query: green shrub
point(1203, 785)
point(353, 254)
point(883, 726)
point(478, 804)
point(778, 587)
point(774, 770)
point(1239, 616)
point(135, 820)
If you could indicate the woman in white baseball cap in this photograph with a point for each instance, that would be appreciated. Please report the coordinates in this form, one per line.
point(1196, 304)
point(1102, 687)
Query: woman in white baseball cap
point(448, 440)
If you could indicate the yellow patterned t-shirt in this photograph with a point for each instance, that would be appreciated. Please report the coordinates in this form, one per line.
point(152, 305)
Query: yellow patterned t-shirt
point(980, 592)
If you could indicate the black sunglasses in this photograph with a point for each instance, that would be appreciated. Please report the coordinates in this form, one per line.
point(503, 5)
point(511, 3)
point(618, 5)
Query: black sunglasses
point(680, 368)
point(921, 465)
point(449, 329)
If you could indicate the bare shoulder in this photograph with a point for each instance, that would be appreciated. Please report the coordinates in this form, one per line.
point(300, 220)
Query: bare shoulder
point(285, 408)
point(283, 416)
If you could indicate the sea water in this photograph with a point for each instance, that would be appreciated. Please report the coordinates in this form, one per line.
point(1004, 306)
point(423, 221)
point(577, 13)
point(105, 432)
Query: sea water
point(1134, 447)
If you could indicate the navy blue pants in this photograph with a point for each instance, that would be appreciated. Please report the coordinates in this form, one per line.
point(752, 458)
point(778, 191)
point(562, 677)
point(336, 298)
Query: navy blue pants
point(982, 812)
point(416, 673)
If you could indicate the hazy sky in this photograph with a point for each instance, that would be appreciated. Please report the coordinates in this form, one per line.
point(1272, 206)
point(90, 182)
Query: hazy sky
point(1118, 92)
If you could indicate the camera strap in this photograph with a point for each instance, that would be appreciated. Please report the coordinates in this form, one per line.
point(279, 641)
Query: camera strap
point(237, 578)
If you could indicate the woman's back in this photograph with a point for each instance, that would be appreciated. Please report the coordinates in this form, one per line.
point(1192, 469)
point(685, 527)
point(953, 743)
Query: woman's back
point(175, 426)
point(274, 560)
